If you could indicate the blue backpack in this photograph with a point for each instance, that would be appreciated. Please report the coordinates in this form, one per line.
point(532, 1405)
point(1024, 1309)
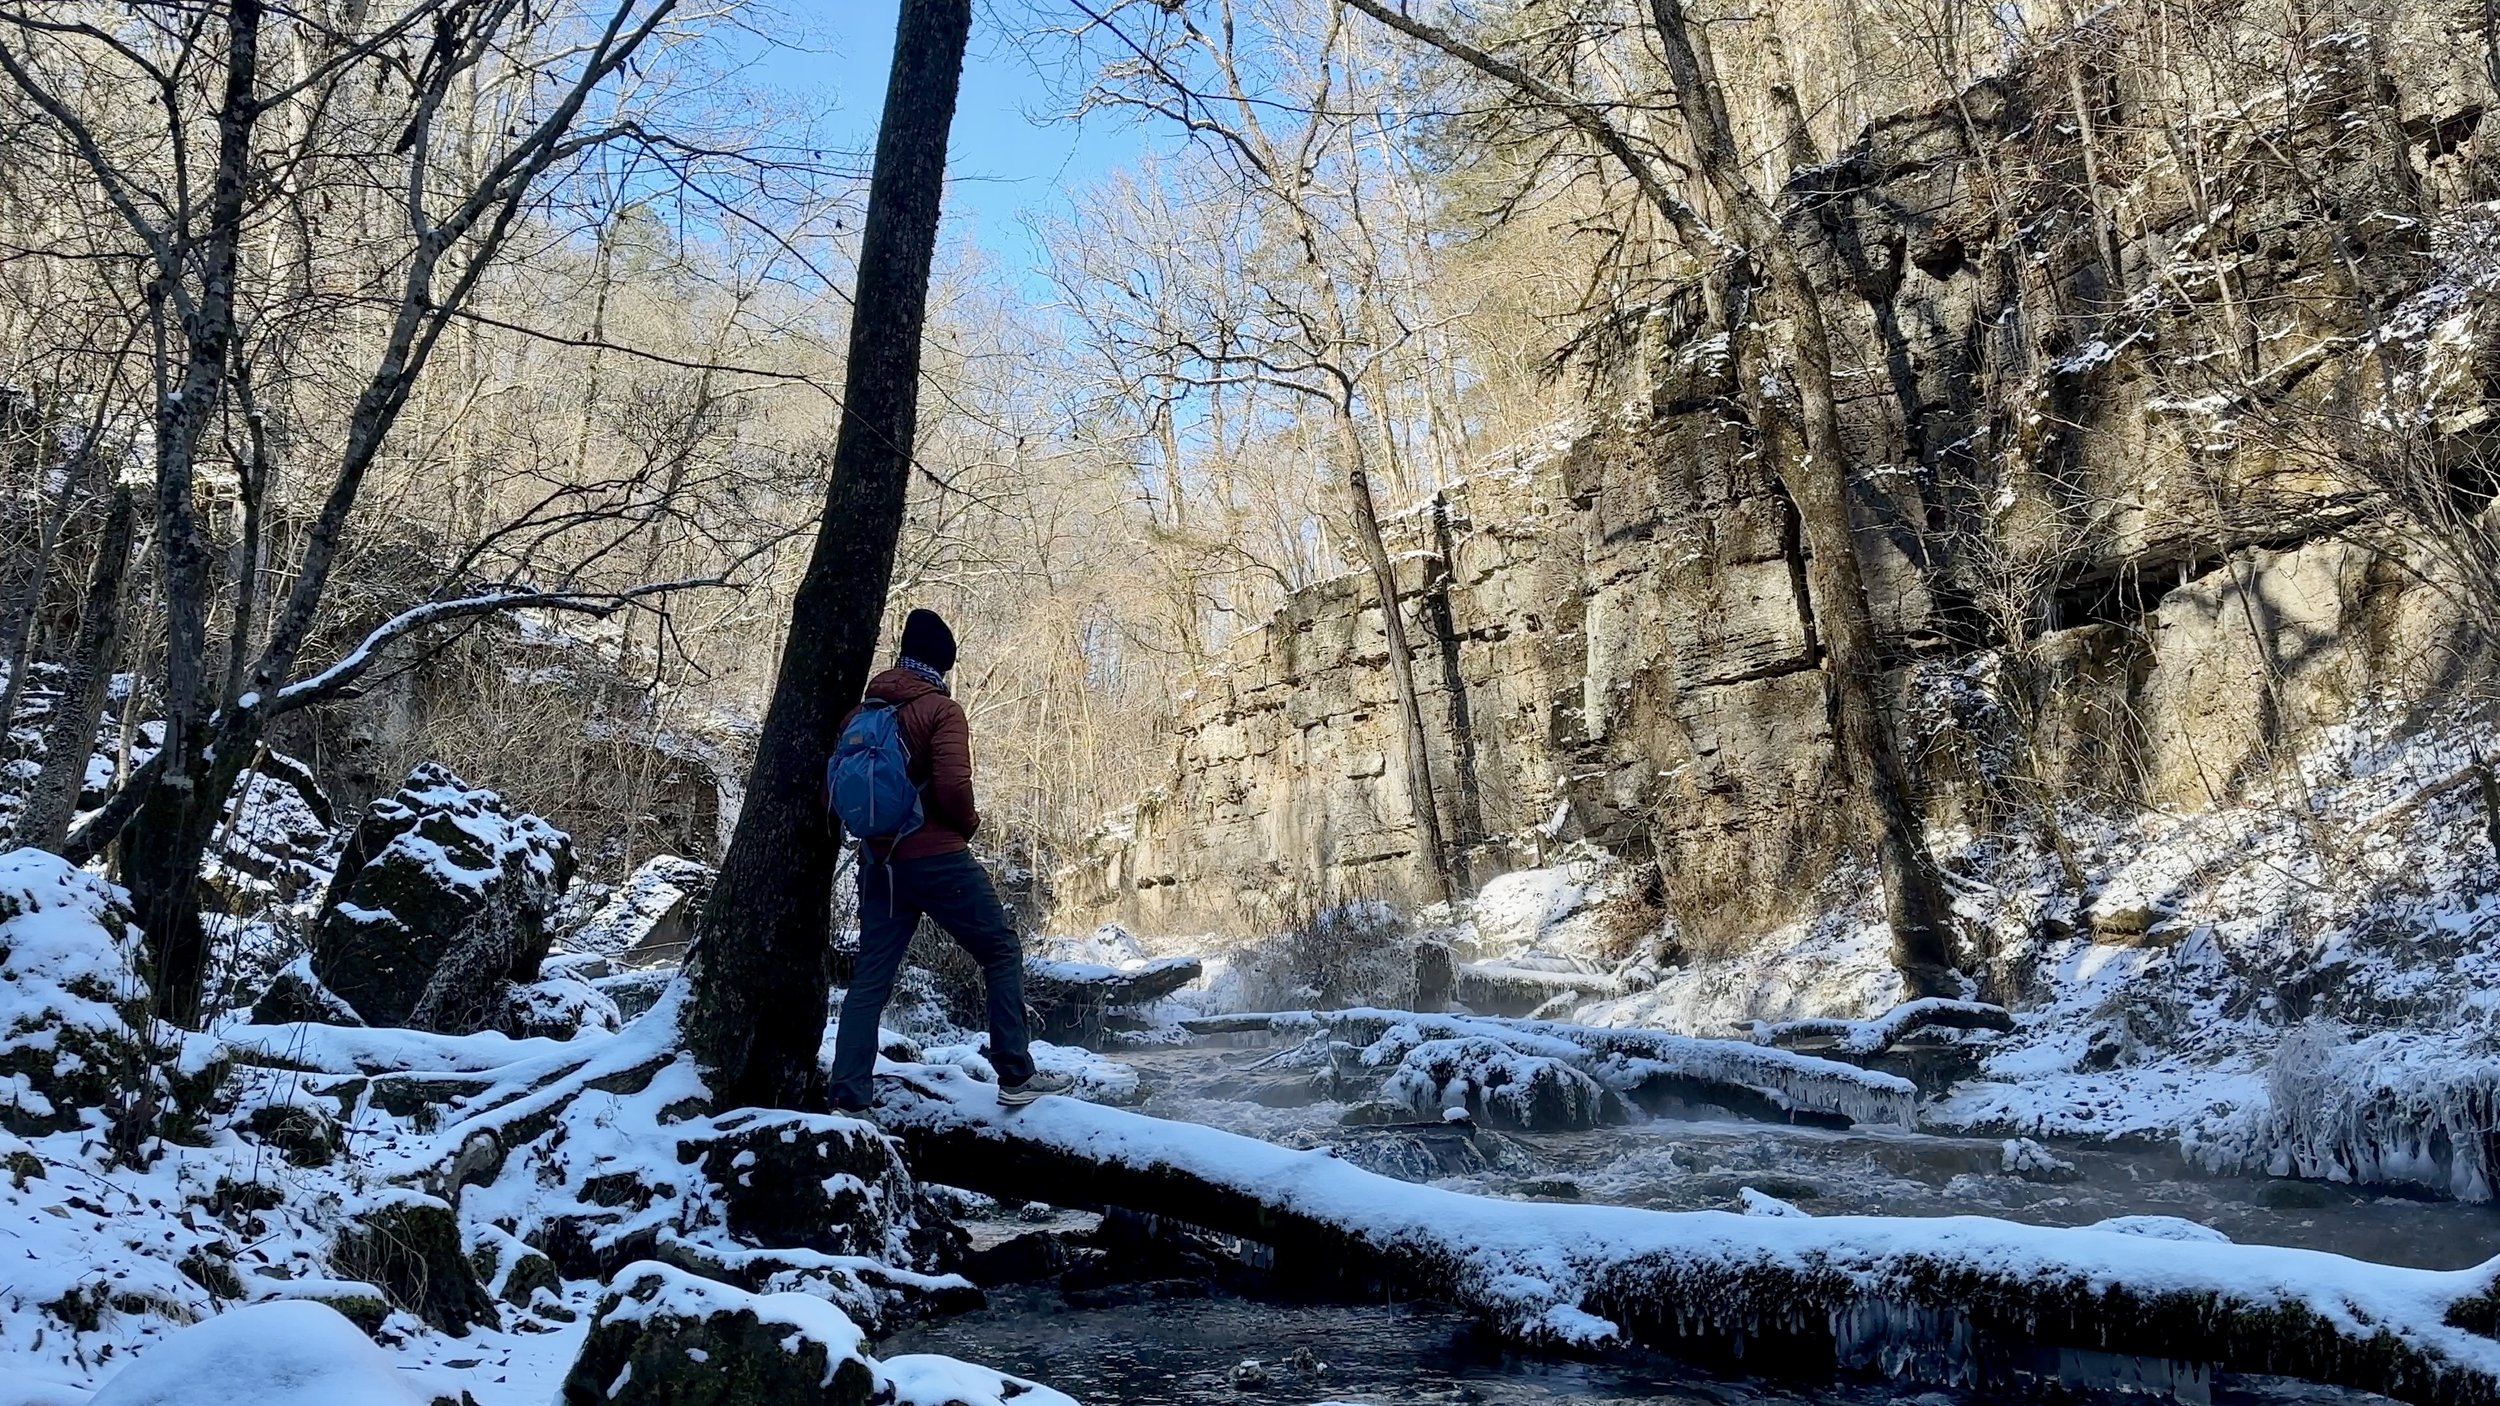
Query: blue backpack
point(868, 782)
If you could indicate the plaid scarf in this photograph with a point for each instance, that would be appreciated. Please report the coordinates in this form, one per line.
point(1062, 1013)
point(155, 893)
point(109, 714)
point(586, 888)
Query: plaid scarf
point(936, 679)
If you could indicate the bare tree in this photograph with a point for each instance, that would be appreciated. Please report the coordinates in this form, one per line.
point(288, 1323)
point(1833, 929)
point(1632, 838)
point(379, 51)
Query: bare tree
point(1323, 324)
point(187, 202)
point(70, 736)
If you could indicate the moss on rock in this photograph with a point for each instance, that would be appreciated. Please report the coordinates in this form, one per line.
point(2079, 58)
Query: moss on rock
point(664, 1337)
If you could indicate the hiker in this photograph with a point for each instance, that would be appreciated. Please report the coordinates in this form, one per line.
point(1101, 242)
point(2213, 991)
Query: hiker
point(914, 827)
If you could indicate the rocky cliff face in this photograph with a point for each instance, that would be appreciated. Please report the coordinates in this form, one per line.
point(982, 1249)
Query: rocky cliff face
point(2110, 513)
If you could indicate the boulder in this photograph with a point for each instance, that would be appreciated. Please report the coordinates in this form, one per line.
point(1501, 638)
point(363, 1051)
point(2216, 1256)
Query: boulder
point(74, 1008)
point(557, 1008)
point(811, 1181)
point(408, 1246)
point(650, 919)
point(1499, 1086)
point(295, 994)
point(1076, 1001)
point(663, 1337)
point(288, 1353)
point(440, 905)
point(303, 1132)
point(512, 1271)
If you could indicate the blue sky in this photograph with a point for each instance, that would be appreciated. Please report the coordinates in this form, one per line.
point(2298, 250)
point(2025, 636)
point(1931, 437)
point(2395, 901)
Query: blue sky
point(1009, 154)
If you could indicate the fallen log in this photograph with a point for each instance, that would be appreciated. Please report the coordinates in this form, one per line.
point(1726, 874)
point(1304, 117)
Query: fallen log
point(1958, 1301)
point(1075, 999)
point(1873, 1037)
point(1648, 1067)
point(1500, 989)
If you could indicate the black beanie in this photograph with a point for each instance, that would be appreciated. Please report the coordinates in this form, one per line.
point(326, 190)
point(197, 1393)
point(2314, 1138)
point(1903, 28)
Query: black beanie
point(926, 639)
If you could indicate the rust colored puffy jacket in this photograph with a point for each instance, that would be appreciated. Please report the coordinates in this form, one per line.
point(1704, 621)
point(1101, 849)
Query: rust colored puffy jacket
point(939, 737)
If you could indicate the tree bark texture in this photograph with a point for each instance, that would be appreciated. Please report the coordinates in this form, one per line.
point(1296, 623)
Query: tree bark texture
point(160, 860)
point(69, 739)
point(758, 971)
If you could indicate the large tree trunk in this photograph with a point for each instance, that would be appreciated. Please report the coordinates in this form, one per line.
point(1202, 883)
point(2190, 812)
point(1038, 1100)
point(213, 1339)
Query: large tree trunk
point(1811, 456)
point(758, 972)
point(70, 738)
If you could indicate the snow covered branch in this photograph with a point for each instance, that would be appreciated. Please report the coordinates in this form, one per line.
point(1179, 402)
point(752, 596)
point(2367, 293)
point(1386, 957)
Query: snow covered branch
point(349, 666)
point(101, 826)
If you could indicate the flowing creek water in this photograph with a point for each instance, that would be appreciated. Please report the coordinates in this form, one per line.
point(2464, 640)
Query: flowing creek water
point(1189, 1348)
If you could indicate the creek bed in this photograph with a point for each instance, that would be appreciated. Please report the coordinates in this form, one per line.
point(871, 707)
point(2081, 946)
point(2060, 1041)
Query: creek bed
point(1187, 1348)
point(1675, 1165)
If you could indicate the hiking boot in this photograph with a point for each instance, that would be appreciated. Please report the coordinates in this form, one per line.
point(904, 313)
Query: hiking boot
point(1042, 1082)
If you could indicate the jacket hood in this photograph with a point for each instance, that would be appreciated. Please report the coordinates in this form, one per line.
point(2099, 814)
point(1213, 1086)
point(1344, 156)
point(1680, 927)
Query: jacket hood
point(899, 686)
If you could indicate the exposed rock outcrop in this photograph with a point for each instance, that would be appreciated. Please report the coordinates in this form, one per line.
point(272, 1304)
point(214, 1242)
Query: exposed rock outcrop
point(664, 1337)
point(1612, 628)
point(409, 1247)
point(78, 1047)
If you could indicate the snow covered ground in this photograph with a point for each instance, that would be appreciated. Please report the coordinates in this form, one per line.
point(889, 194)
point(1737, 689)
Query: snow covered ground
point(2306, 988)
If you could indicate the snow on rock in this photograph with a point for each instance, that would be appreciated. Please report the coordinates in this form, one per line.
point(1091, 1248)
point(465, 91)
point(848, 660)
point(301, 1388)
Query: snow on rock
point(1519, 912)
point(649, 920)
point(1647, 1067)
point(1760, 1203)
point(1109, 945)
point(922, 1379)
point(271, 1354)
point(280, 831)
point(1499, 1086)
point(2161, 1228)
point(663, 1336)
point(441, 903)
point(409, 1246)
point(1954, 1299)
point(559, 1008)
point(1838, 963)
point(1098, 1079)
point(76, 1038)
point(1079, 1002)
point(2030, 1161)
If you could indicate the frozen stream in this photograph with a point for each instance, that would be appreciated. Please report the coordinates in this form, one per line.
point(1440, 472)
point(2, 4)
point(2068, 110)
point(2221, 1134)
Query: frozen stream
point(1189, 1347)
point(1674, 1165)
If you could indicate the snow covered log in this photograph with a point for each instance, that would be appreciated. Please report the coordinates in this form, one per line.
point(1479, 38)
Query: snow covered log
point(1963, 1300)
point(1074, 999)
point(1647, 1067)
point(1873, 1037)
point(1512, 989)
